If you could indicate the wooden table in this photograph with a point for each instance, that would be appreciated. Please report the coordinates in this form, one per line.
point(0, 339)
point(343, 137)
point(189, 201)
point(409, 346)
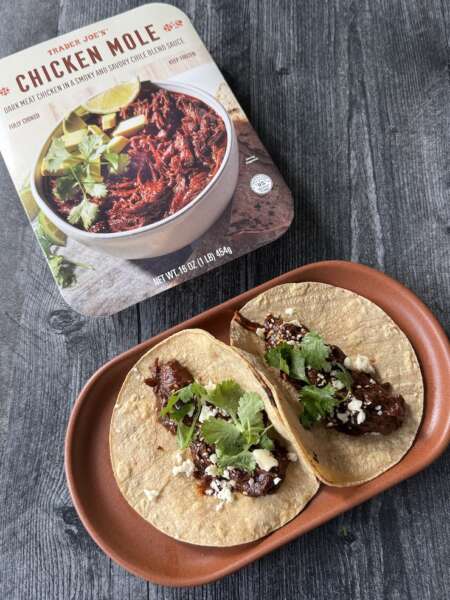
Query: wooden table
point(352, 100)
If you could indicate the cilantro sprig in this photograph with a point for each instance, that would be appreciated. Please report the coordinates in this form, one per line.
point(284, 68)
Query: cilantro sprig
point(234, 439)
point(315, 351)
point(289, 359)
point(63, 269)
point(224, 435)
point(181, 404)
point(317, 403)
point(294, 360)
point(226, 396)
point(81, 176)
point(186, 396)
point(239, 427)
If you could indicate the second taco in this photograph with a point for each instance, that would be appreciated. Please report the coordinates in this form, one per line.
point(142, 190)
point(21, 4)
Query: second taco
point(349, 383)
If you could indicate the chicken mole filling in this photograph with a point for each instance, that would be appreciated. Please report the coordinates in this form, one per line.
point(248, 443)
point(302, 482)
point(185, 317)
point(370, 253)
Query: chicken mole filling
point(170, 161)
point(369, 406)
point(169, 377)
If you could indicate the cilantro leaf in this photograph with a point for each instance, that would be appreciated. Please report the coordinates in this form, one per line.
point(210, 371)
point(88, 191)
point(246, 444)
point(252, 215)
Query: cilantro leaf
point(185, 394)
point(250, 409)
point(192, 390)
point(62, 270)
point(251, 417)
point(66, 187)
point(89, 213)
point(226, 396)
point(244, 460)
point(44, 241)
point(83, 175)
point(344, 376)
point(94, 189)
point(75, 214)
point(118, 163)
point(91, 147)
point(317, 403)
point(289, 359)
point(298, 366)
point(185, 433)
point(315, 351)
point(266, 442)
point(224, 435)
point(179, 413)
point(85, 211)
point(113, 159)
point(56, 155)
point(278, 357)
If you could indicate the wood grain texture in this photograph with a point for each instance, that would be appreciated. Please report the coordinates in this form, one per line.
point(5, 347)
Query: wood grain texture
point(352, 100)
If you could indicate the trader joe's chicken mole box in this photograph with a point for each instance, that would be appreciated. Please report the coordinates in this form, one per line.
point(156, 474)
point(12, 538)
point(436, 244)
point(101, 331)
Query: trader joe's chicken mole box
point(133, 160)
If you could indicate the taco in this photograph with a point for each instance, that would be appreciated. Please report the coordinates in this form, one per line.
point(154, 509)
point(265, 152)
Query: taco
point(348, 381)
point(198, 448)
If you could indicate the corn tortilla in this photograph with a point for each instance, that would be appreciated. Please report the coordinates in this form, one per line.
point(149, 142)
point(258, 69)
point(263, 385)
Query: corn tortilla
point(357, 326)
point(143, 453)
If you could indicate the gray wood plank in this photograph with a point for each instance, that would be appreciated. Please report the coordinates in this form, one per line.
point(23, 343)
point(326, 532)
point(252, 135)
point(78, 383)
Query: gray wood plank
point(351, 98)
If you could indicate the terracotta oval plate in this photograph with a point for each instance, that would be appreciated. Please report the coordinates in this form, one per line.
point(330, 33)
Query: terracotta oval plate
point(136, 545)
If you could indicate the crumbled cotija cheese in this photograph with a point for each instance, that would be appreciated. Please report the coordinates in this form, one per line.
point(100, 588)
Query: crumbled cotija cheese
point(186, 468)
point(360, 417)
point(206, 413)
point(354, 405)
point(223, 490)
point(225, 494)
point(215, 485)
point(359, 363)
point(289, 311)
point(151, 494)
point(295, 322)
point(292, 456)
point(338, 385)
point(264, 459)
point(211, 471)
point(260, 332)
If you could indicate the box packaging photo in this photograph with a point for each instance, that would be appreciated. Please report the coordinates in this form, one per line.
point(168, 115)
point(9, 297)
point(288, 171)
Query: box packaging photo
point(133, 160)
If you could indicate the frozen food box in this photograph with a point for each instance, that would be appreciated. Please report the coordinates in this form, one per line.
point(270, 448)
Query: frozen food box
point(133, 160)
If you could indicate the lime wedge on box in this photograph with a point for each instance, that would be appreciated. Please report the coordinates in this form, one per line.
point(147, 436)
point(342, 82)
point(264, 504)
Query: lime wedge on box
point(114, 99)
point(73, 123)
point(28, 202)
point(50, 231)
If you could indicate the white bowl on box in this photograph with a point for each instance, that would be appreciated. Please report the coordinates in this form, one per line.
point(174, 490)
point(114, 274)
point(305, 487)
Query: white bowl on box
point(173, 232)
